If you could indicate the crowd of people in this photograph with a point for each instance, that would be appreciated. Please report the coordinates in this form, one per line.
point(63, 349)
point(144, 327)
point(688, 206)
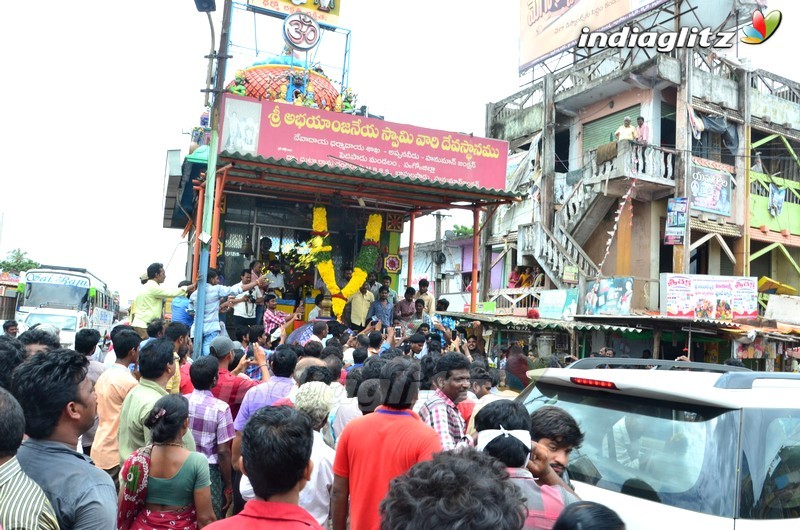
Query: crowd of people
point(400, 426)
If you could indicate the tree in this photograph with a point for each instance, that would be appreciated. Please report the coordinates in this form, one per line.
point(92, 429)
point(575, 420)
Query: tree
point(462, 231)
point(17, 261)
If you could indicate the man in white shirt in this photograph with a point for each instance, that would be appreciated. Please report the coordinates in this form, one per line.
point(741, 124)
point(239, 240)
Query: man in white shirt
point(276, 280)
point(244, 305)
point(314, 313)
point(314, 399)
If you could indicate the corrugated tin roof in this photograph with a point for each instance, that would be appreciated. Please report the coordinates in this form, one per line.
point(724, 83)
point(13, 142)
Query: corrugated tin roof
point(522, 323)
point(274, 176)
point(713, 227)
point(661, 318)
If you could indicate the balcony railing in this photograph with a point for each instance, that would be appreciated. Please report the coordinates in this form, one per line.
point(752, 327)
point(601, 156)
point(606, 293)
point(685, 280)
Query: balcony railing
point(515, 301)
point(554, 252)
point(645, 162)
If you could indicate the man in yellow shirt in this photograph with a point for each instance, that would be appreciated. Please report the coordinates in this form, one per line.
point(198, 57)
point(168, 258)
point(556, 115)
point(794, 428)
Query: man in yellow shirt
point(626, 131)
point(359, 307)
point(148, 306)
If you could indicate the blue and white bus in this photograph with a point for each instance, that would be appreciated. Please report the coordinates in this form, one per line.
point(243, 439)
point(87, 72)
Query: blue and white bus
point(66, 288)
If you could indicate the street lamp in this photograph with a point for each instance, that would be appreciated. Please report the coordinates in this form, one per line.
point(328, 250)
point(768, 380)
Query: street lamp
point(206, 6)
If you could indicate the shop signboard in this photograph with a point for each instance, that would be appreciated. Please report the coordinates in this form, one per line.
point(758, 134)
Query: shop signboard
point(344, 141)
point(608, 296)
point(714, 297)
point(326, 12)
point(675, 230)
point(558, 304)
point(571, 274)
point(783, 309)
point(548, 27)
point(710, 190)
point(485, 308)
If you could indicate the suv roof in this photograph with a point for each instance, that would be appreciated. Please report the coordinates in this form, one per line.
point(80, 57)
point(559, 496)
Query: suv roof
point(657, 364)
point(694, 383)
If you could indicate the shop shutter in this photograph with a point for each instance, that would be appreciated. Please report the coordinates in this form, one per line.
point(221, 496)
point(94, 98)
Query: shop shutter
point(599, 132)
point(725, 265)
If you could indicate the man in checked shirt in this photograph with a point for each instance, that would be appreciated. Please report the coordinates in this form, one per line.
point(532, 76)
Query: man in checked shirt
point(440, 411)
point(211, 424)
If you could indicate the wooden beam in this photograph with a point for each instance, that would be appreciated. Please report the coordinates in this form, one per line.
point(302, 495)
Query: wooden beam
point(789, 148)
point(725, 248)
point(763, 251)
point(756, 145)
point(700, 241)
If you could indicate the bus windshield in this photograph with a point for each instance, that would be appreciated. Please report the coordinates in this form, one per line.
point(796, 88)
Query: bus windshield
point(53, 295)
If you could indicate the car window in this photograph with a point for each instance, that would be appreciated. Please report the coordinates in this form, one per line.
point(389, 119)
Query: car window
point(675, 454)
point(770, 484)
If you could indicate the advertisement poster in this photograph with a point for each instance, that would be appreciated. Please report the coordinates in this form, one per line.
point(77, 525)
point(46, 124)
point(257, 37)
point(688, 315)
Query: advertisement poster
point(325, 12)
point(712, 297)
point(710, 190)
point(325, 138)
point(776, 198)
point(675, 230)
point(760, 348)
point(608, 296)
point(558, 304)
point(547, 27)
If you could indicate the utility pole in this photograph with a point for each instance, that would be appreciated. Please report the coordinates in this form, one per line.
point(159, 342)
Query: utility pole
point(437, 266)
point(211, 177)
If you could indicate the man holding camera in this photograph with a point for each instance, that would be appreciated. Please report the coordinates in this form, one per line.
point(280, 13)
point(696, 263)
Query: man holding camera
point(244, 304)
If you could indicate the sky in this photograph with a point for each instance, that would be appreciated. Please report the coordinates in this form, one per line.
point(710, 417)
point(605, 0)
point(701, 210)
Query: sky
point(96, 92)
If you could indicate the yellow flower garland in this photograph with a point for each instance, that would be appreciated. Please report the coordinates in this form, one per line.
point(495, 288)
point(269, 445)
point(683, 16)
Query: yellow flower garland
point(319, 225)
point(373, 228)
point(320, 221)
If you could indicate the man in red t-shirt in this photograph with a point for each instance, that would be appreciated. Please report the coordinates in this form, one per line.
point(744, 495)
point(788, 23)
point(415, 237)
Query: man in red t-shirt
point(231, 388)
point(276, 455)
point(378, 447)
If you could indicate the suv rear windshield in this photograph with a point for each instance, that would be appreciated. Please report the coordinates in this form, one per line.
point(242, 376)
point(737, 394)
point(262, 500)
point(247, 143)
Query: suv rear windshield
point(680, 455)
point(770, 464)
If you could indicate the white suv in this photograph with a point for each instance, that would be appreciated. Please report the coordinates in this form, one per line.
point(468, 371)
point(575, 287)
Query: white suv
point(680, 447)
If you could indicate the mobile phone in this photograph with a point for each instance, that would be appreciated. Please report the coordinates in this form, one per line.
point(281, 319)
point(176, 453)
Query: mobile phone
point(397, 330)
point(374, 320)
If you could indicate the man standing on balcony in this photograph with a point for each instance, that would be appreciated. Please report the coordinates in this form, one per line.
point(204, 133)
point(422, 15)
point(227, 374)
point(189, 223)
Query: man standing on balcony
point(642, 131)
point(626, 131)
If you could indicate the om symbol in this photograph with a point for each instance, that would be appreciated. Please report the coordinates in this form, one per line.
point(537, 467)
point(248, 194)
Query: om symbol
point(301, 32)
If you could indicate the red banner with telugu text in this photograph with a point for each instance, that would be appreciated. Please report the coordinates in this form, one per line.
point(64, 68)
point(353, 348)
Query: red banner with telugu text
point(314, 136)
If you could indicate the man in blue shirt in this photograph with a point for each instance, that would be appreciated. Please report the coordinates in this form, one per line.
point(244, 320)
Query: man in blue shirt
point(216, 293)
point(443, 325)
point(180, 307)
point(60, 404)
point(382, 308)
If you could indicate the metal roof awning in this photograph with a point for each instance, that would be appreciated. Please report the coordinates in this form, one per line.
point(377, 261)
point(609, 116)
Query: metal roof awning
point(649, 320)
point(529, 324)
point(289, 180)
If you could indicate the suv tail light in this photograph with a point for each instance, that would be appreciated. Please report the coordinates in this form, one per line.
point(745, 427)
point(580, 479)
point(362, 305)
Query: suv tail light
point(593, 382)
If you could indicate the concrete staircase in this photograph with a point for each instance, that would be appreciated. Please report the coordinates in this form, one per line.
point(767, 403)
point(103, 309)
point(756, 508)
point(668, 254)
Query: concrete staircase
point(574, 223)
